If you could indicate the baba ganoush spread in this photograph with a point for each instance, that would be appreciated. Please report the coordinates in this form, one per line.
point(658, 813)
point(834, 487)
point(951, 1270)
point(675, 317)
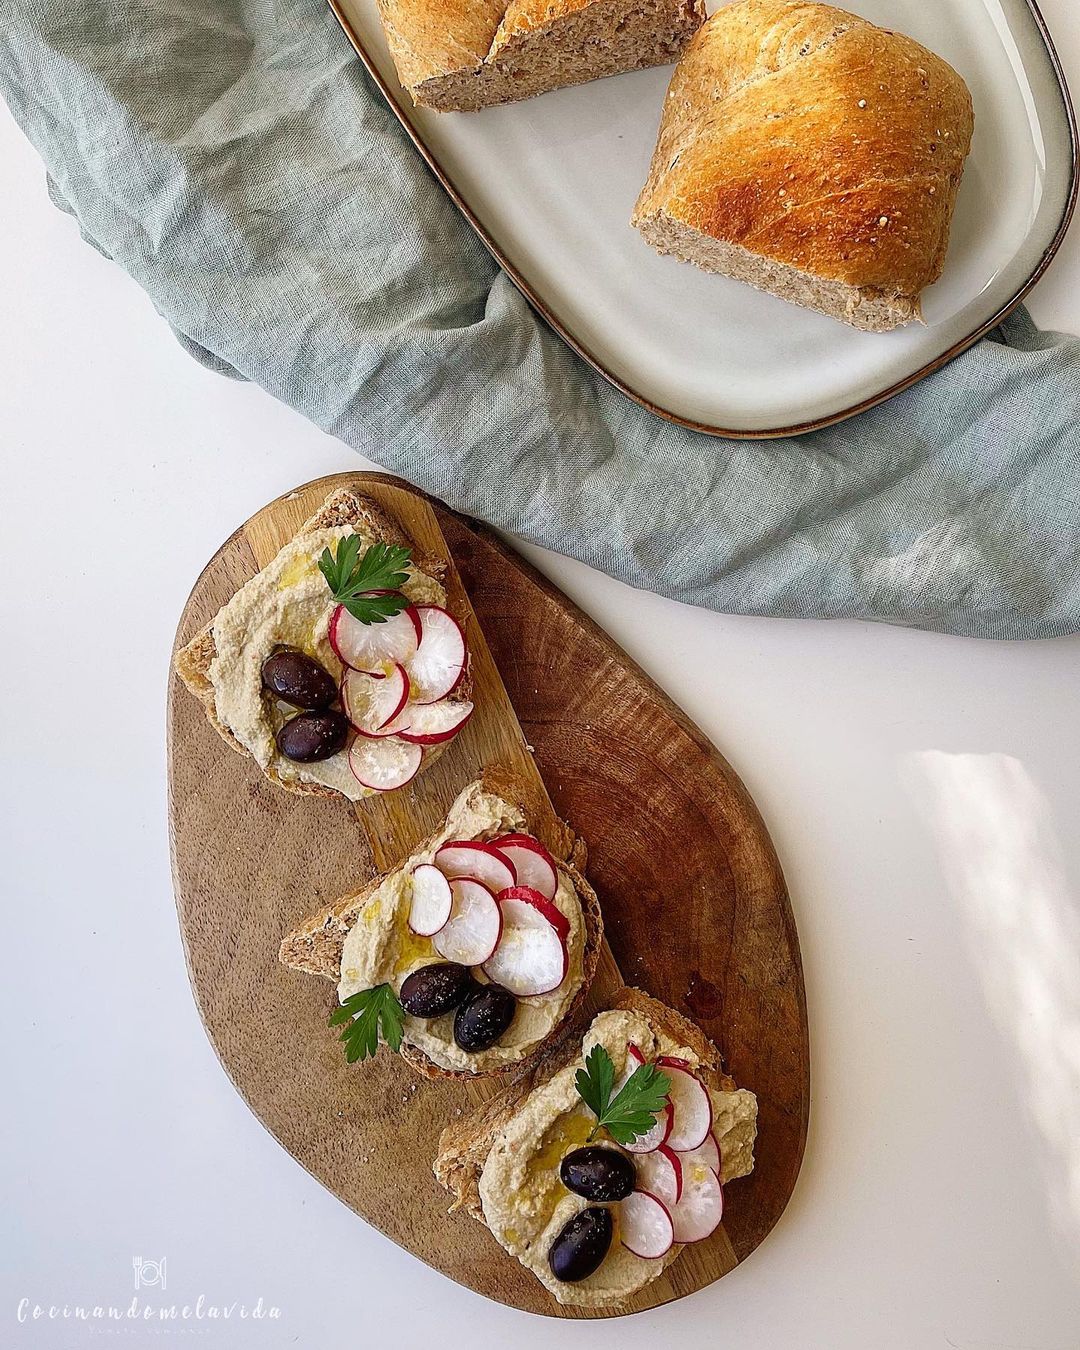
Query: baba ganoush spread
point(380, 948)
point(288, 604)
point(525, 1203)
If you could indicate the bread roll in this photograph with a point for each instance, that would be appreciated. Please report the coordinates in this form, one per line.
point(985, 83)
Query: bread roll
point(461, 55)
point(813, 155)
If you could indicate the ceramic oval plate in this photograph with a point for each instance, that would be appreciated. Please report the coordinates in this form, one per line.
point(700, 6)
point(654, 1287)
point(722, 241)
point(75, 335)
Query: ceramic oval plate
point(706, 351)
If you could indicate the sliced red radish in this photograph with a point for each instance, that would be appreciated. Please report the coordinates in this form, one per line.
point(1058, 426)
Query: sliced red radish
point(531, 957)
point(430, 723)
point(473, 858)
point(531, 861)
point(633, 1053)
point(432, 900)
point(471, 933)
point(384, 764)
point(660, 1173)
point(373, 703)
point(373, 647)
point(701, 1205)
point(551, 912)
point(438, 664)
point(708, 1154)
point(645, 1226)
point(652, 1139)
point(691, 1107)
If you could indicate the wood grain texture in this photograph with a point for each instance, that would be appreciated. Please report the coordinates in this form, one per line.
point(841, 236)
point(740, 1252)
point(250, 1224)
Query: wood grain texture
point(709, 929)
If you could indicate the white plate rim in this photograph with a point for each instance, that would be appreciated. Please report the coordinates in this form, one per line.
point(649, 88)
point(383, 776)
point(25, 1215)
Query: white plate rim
point(399, 101)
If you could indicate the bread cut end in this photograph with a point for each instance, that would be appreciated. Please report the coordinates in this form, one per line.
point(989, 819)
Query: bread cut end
point(872, 311)
point(601, 38)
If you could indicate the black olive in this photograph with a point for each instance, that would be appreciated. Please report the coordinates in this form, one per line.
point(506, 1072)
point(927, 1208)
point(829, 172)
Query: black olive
point(313, 735)
point(295, 678)
point(435, 989)
point(598, 1173)
point(582, 1245)
point(483, 1018)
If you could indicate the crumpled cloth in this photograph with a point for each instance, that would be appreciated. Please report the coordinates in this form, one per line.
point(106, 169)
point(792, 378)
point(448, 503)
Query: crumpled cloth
point(234, 158)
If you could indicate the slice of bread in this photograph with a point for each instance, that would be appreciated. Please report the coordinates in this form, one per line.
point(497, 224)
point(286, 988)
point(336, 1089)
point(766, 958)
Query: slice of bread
point(462, 55)
point(344, 507)
point(315, 945)
point(465, 1144)
point(810, 154)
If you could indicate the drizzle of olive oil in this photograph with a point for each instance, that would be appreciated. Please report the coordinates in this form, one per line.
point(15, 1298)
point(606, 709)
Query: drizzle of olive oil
point(298, 570)
point(412, 950)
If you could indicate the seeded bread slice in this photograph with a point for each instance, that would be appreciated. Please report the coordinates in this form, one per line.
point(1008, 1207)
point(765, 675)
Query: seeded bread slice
point(343, 507)
point(465, 1144)
point(315, 945)
point(462, 55)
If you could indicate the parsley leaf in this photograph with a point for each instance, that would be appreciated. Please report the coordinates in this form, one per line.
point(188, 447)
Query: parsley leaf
point(367, 584)
point(365, 1015)
point(634, 1108)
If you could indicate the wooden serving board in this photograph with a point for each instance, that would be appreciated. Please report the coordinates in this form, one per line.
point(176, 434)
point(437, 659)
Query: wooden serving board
point(694, 900)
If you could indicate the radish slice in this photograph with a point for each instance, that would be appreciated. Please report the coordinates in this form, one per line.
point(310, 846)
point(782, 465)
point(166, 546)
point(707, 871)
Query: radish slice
point(690, 1107)
point(439, 661)
point(531, 861)
point(551, 912)
point(432, 900)
point(471, 933)
point(473, 858)
point(660, 1173)
point(430, 723)
point(384, 763)
point(652, 1139)
point(645, 1226)
point(373, 647)
point(373, 703)
point(701, 1206)
point(708, 1153)
point(531, 957)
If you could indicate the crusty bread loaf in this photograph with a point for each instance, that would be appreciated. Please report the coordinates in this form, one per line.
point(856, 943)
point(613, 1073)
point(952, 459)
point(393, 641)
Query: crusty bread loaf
point(465, 1143)
point(461, 55)
point(193, 661)
point(813, 155)
point(314, 946)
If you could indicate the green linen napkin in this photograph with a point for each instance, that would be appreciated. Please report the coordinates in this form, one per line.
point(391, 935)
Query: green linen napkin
point(234, 158)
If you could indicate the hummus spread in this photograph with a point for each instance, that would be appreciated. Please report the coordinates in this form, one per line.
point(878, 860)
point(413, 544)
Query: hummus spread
point(526, 1205)
point(380, 948)
point(287, 604)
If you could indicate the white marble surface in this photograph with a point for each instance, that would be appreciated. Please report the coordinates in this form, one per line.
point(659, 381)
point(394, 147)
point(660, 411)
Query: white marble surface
point(922, 792)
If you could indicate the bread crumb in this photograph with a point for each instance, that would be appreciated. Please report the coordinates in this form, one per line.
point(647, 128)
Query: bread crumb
point(883, 220)
point(862, 103)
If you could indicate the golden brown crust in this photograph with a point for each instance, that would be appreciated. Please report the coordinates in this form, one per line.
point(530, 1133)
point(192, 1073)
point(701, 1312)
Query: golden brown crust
point(465, 1143)
point(314, 946)
point(192, 661)
point(810, 137)
point(467, 54)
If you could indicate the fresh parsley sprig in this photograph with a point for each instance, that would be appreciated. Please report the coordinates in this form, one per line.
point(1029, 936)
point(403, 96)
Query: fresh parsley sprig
point(367, 584)
point(365, 1015)
point(634, 1108)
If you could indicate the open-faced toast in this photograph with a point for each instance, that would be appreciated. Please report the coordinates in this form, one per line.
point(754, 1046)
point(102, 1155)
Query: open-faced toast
point(363, 940)
point(503, 1163)
point(286, 605)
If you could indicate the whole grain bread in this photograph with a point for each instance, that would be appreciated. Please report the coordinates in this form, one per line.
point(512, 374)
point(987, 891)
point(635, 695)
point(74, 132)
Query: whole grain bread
point(465, 1143)
point(314, 946)
point(462, 55)
point(193, 661)
point(811, 154)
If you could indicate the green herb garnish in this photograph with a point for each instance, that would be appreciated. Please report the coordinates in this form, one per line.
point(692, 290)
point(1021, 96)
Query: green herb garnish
point(366, 1014)
point(355, 579)
point(634, 1108)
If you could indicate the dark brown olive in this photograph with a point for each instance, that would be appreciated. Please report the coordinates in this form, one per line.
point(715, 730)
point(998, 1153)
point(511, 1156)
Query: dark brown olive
point(598, 1173)
point(582, 1245)
point(313, 735)
point(435, 989)
point(295, 678)
point(483, 1017)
